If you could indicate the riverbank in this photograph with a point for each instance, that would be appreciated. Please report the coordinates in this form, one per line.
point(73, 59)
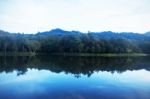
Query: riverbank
point(104, 54)
point(75, 54)
point(18, 54)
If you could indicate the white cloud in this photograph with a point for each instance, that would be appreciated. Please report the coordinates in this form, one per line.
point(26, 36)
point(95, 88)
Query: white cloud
point(94, 15)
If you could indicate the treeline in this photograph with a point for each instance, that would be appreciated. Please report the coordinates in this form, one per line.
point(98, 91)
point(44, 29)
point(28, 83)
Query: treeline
point(60, 41)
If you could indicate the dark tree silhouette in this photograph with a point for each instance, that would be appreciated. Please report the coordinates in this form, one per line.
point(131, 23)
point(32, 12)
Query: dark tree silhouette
point(60, 41)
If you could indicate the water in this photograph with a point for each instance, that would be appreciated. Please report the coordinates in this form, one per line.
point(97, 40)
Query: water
point(65, 77)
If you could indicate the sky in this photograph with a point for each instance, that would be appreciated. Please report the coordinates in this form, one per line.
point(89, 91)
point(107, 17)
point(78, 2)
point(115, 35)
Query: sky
point(31, 16)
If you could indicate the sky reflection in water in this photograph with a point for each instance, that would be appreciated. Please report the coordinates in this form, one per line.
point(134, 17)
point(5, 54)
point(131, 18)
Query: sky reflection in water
point(46, 84)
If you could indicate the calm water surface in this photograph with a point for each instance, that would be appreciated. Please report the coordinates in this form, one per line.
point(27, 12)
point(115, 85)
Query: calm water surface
point(65, 77)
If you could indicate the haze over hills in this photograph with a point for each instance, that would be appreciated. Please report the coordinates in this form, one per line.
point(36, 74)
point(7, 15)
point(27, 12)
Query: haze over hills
point(62, 41)
point(59, 30)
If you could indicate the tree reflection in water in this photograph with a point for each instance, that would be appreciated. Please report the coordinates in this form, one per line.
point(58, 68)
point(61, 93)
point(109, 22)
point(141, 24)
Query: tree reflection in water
point(73, 64)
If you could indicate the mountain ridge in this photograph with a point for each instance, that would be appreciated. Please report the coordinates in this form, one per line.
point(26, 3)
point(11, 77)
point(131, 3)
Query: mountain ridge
point(62, 41)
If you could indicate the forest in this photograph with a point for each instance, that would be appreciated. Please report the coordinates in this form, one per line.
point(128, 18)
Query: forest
point(62, 41)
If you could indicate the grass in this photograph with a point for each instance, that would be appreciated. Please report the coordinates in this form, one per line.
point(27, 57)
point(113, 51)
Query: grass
point(104, 54)
point(74, 54)
point(17, 54)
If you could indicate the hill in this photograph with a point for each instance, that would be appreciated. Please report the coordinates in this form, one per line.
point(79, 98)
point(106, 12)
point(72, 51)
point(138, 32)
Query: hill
point(62, 41)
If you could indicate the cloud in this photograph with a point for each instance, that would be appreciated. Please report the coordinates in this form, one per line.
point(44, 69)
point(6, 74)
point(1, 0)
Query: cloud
point(94, 15)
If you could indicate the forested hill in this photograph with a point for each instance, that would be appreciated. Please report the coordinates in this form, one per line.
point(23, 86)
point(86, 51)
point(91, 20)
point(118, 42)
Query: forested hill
point(61, 41)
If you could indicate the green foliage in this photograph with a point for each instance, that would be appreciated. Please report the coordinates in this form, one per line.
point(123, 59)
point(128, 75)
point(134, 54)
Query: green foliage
point(59, 41)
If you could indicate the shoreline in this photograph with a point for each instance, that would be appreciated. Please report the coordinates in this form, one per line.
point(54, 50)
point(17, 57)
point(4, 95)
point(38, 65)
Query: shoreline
point(101, 54)
point(75, 54)
point(17, 54)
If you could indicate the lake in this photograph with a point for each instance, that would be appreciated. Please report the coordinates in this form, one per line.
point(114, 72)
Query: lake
point(74, 77)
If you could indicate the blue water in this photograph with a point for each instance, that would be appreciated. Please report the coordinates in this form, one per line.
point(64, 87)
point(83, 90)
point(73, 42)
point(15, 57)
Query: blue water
point(37, 83)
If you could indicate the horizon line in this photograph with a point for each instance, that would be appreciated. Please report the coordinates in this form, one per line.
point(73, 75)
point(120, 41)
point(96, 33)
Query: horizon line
point(75, 31)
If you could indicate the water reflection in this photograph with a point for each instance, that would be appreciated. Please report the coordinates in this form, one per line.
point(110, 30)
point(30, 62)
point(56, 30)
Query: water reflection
point(43, 84)
point(65, 77)
point(73, 65)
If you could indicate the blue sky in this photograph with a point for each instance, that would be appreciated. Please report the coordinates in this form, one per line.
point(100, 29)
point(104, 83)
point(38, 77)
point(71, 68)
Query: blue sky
point(30, 16)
